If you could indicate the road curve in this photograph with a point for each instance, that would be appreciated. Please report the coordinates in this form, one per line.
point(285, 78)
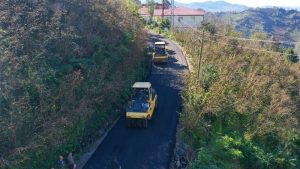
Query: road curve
point(149, 148)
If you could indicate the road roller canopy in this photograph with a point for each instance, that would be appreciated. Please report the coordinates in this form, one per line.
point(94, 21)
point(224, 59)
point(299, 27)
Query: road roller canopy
point(160, 43)
point(142, 85)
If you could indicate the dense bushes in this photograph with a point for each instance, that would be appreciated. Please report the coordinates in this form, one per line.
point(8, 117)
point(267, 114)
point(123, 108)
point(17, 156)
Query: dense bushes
point(243, 110)
point(65, 70)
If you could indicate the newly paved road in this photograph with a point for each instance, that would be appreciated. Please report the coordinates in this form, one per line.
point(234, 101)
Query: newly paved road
point(149, 148)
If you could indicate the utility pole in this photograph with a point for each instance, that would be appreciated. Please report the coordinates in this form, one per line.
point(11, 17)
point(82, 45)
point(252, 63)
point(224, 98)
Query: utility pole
point(172, 13)
point(201, 49)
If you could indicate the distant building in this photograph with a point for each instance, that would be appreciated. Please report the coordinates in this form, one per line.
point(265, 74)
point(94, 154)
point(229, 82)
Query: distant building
point(183, 16)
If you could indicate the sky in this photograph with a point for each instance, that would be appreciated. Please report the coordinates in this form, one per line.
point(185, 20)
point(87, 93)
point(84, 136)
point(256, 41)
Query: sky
point(252, 3)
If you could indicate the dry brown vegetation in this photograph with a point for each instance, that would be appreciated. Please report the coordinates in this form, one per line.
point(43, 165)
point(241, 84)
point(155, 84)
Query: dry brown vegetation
point(243, 110)
point(65, 70)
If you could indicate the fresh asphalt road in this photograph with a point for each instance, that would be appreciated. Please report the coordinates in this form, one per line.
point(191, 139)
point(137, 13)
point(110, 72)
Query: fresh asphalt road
point(151, 148)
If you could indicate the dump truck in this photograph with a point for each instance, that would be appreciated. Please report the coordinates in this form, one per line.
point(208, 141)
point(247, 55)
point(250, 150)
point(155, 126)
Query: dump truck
point(141, 107)
point(160, 53)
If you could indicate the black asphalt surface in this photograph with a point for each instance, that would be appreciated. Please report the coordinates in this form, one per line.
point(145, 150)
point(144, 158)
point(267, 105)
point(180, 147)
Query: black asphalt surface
point(151, 148)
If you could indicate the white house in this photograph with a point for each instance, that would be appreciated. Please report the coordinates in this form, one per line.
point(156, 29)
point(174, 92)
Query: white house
point(183, 16)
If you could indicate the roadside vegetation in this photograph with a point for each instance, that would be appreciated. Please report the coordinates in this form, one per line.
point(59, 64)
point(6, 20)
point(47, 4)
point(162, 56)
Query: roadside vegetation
point(243, 109)
point(66, 68)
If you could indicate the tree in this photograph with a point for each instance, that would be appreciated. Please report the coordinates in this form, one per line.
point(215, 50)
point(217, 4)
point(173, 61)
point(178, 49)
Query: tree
point(165, 5)
point(165, 23)
point(290, 55)
point(209, 27)
point(151, 8)
point(138, 2)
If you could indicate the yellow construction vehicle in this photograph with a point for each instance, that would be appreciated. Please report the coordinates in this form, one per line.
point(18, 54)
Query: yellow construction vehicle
point(160, 53)
point(141, 107)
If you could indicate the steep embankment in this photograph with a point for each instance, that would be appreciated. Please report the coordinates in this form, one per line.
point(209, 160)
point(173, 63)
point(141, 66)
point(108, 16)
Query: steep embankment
point(243, 110)
point(66, 67)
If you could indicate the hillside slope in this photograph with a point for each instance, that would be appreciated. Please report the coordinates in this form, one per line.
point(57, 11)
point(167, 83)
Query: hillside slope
point(65, 70)
point(277, 22)
point(242, 110)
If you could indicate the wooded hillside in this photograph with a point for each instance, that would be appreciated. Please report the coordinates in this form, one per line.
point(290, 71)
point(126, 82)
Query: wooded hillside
point(280, 23)
point(65, 71)
point(243, 109)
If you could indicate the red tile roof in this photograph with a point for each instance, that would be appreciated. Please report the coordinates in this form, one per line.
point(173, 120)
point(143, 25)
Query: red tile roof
point(184, 11)
point(178, 11)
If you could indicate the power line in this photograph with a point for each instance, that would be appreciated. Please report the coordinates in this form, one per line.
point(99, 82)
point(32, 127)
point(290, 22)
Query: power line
point(245, 80)
point(254, 49)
